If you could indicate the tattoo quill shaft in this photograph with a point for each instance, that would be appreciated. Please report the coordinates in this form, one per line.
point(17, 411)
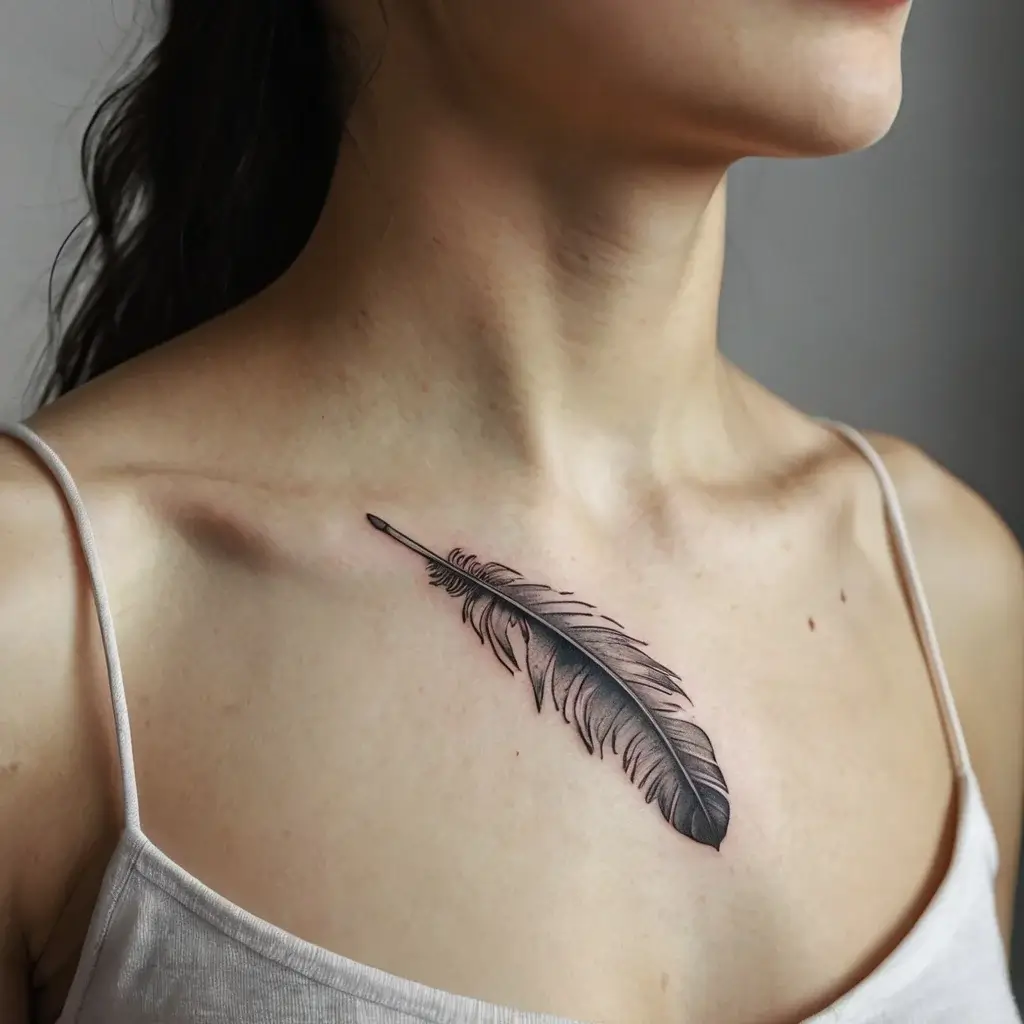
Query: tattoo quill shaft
point(597, 677)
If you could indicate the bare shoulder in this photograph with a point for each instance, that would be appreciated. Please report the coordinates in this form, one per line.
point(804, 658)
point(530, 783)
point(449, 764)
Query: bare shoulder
point(973, 572)
point(972, 565)
point(59, 795)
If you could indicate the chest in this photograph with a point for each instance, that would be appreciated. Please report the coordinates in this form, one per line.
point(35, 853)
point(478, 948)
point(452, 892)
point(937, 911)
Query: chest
point(342, 755)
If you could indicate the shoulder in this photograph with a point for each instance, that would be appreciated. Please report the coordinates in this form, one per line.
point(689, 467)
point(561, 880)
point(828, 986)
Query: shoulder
point(971, 561)
point(972, 568)
point(59, 786)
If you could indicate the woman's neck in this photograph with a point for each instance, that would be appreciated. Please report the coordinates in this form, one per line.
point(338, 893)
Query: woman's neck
point(560, 307)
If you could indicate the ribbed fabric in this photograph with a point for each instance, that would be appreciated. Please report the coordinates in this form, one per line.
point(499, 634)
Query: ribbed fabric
point(163, 948)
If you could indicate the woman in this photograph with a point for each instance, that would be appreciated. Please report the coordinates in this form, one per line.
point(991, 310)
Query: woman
point(372, 281)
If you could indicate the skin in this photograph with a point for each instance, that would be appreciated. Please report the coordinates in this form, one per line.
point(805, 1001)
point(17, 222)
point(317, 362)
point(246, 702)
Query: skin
point(503, 335)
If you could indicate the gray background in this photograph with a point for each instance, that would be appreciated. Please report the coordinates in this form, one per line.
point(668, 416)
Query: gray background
point(882, 288)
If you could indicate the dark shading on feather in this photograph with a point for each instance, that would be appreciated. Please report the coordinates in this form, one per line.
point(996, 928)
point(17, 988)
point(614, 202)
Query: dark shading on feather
point(599, 679)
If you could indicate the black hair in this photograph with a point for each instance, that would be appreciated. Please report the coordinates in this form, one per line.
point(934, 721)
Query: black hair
point(206, 170)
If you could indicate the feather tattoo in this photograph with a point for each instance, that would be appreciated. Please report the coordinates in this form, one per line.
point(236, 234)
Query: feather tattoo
point(599, 679)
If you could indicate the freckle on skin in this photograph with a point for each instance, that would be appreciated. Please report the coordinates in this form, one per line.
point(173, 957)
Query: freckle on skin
point(842, 596)
point(811, 625)
point(10, 769)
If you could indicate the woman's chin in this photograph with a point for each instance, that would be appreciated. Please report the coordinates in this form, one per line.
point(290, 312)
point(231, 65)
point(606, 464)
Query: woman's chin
point(839, 121)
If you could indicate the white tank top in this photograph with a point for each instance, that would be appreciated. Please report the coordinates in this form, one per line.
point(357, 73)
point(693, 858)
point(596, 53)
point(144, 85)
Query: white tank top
point(163, 948)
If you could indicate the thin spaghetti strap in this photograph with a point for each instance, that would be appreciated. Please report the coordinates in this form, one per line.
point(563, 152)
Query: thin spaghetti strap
point(88, 543)
point(919, 601)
